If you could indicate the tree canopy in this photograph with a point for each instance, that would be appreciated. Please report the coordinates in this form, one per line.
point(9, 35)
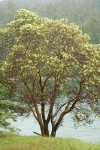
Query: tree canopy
point(50, 63)
point(82, 12)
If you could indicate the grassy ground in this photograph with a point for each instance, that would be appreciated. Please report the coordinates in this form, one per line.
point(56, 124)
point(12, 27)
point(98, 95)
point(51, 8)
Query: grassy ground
point(15, 142)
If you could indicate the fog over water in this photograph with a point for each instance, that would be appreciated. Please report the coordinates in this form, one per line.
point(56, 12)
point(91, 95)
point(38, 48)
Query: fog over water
point(88, 133)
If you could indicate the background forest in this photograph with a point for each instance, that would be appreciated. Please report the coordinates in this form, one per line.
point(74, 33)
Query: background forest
point(85, 13)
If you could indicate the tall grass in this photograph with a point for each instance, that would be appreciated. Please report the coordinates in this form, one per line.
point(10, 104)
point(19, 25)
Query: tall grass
point(15, 142)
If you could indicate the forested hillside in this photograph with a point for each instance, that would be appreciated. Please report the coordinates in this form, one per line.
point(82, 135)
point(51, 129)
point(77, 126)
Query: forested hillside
point(85, 13)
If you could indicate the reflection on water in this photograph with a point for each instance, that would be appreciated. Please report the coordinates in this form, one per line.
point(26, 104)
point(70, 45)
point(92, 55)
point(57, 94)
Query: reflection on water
point(88, 133)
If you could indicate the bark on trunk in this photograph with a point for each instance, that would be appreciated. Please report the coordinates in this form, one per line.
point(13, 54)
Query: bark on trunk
point(53, 133)
point(45, 131)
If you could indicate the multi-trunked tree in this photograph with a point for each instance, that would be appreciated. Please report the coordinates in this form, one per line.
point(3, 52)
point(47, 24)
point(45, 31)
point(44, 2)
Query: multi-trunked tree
point(50, 67)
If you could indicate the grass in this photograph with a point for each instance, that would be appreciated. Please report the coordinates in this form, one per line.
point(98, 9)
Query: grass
point(10, 141)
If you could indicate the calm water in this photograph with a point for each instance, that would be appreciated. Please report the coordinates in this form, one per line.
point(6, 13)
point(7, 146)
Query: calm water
point(88, 133)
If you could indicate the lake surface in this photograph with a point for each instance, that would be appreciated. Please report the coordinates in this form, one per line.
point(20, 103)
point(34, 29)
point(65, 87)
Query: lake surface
point(88, 133)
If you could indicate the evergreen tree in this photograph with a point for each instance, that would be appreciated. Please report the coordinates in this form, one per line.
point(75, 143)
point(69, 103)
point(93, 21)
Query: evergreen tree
point(47, 59)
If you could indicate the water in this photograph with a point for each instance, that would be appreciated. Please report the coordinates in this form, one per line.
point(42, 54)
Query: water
point(88, 133)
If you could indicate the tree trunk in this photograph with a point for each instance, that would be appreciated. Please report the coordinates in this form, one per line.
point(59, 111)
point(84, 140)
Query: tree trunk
point(53, 133)
point(44, 130)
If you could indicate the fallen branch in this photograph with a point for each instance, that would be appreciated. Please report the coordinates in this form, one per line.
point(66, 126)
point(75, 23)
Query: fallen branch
point(36, 133)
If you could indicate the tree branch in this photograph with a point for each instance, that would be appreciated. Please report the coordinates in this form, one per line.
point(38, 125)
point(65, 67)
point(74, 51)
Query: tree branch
point(35, 105)
point(36, 133)
point(67, 103)
point(71, 108)
point(43, 111)
point(52, 100)
point(76, 99)
point(33, 112)
point(47, 80)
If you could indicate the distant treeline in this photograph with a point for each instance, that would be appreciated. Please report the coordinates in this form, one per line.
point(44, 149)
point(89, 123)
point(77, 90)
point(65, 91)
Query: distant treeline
point(85, 13)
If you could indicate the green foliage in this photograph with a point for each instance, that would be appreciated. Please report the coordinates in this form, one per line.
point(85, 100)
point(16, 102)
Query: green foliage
point(5, 114)
point(39, 46)
point(44, 58)
point(7, 109)
point(82, 12)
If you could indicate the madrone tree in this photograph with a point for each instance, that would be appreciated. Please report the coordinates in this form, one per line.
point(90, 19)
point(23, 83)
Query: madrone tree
point(50, 67)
